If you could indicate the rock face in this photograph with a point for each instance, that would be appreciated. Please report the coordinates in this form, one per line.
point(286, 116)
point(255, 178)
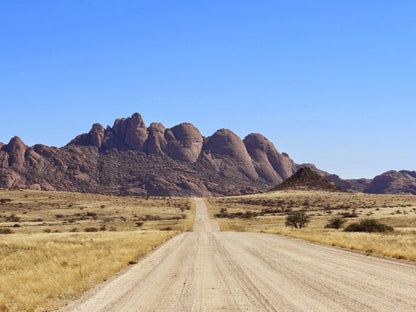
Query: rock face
point(308, 179)
point(129, 158)
point(393, 182)
point(267, 160)
point(390, 182)
point(223, 146)
point(132, 159)
point(184, 142)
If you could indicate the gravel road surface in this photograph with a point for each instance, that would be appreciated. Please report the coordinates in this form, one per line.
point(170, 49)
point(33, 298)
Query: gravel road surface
point(209, 270)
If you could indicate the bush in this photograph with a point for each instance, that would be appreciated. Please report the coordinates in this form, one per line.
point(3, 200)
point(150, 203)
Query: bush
point(6, 231)
point(91, 229)
point(13, 218)
point(335, 223)
point(297, 219)
point(152, 218)
point(350, 215)
point(249, 214)
point(368, 225)
point(92, 214)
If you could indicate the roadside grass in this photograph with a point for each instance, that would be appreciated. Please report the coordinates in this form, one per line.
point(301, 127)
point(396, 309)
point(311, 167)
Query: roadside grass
point(36, 211)
point(44, 264)
point(398, 211)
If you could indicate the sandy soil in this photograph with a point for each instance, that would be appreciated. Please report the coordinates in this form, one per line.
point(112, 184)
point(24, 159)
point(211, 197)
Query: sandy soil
point(209, 270)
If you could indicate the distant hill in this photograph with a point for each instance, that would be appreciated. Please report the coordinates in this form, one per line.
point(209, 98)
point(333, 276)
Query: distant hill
point(393, 182)
point(307, 178)
point(390, 182)
point(132, 159)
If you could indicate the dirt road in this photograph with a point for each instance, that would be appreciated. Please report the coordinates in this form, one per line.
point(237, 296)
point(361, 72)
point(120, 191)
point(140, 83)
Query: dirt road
point(208, 270)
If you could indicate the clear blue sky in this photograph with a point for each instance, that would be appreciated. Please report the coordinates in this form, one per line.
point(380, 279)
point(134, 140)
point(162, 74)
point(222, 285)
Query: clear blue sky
point(329, 82)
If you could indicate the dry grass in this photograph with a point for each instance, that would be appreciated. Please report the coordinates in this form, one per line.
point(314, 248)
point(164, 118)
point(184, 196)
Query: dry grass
point(41, 270)
point(64, 212)
point(398, 211)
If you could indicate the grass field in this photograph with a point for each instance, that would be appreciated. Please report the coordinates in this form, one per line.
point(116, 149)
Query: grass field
point(267, 213)
point(61, 244)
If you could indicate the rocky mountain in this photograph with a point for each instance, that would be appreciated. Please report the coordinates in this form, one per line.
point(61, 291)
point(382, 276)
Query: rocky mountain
point(132, 159)
point(351, 185)
point(308, 179)
point(393, 182)
point(390, 182)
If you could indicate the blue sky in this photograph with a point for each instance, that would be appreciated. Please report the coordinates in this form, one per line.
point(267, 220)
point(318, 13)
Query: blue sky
point(329, 82)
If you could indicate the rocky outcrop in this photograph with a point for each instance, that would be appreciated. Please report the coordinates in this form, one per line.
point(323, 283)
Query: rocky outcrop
point(307, 179)
point(14, 153)
point(393, 182)
point(156, 142)
point(129, 158)
point(184, 142)
point(225, 145)
point(268, 162)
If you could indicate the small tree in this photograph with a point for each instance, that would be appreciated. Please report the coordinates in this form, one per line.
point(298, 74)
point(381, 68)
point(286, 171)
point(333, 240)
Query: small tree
point(297, 220)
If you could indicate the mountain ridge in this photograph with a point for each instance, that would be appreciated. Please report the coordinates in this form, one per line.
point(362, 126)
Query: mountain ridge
point(131, 159)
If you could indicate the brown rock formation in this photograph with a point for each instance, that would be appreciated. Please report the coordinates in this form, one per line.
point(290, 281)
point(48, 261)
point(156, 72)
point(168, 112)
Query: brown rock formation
point(269, 163)
point(307, 178)
point(156, 142)
point(129, 158)
point(393, 182)
point(225, 143)
point(184, 142)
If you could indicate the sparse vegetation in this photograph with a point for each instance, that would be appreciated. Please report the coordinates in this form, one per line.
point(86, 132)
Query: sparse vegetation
point(46, 268)
point(323, 207)
point(12, 218)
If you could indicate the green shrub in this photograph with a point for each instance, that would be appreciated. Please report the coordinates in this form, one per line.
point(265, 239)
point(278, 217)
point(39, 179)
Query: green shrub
point(335, 223)
point(368, 225)
point(297, 219)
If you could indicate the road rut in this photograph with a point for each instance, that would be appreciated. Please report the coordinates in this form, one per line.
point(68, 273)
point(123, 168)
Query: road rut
point(209, 270)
